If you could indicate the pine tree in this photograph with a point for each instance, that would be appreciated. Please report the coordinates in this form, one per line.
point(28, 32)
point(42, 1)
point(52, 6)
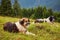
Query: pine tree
point(17, 9)
point(44, 12)
point(6, 7)
point(38, 12)
point(50, 11)
point(0, 7)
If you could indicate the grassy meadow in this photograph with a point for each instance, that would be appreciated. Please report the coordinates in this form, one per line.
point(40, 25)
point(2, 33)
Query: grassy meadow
point(43, 31)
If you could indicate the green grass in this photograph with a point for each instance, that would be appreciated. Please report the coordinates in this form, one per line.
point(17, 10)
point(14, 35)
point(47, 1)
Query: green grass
point(43, 31)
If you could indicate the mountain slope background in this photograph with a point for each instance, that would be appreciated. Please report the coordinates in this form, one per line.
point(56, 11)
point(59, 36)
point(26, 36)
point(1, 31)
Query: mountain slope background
point(54, 4)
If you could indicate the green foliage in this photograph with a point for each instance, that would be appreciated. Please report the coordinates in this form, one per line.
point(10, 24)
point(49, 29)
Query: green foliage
point(38, 12)
point(50, 12)
point(6, 7)
point(27, 12)
point(24, 12)
point(17, 9)
point(41, 12)
point(0, 9)
point(57, 16)
point(44, 12)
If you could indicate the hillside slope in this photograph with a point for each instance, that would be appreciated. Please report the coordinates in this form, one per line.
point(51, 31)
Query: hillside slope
point(43, 31)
